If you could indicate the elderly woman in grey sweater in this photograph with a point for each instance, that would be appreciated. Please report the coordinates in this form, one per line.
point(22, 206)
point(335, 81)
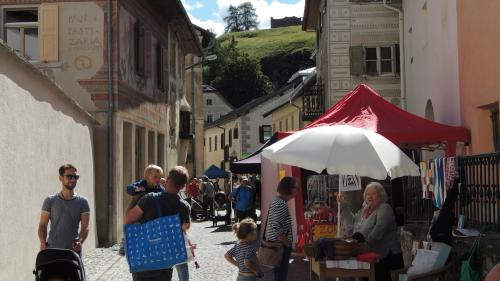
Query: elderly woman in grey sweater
point(376, 223)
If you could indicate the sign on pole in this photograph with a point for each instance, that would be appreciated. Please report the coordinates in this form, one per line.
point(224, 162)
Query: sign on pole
point(349, 183)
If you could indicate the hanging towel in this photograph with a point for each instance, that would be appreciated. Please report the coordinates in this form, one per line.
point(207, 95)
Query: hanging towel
point(437, 181)
point(451, 172)
point(423, 178)
point(431, 168)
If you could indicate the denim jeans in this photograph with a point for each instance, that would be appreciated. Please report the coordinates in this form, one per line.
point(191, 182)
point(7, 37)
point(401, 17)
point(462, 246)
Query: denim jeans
point(281, 272)
point(182, 271)
point(246, 278)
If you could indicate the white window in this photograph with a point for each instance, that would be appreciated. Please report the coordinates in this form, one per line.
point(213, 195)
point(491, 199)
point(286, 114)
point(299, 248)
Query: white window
point(379, 60)
point(21, 32)
point(209, 101)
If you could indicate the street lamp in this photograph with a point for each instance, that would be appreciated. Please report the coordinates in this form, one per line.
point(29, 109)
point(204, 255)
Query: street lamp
point(193, 105)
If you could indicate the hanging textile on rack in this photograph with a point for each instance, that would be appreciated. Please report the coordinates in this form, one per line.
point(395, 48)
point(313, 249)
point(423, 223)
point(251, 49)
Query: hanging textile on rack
point(427, 179)
point(437, 182)
point(437, 178)
point(451, 172)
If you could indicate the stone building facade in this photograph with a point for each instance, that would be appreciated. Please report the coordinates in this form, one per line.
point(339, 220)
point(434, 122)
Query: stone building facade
point(149, 42)
point(357, 42)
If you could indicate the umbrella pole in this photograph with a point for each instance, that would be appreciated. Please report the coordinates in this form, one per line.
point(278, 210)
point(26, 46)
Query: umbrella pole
point(338, 216)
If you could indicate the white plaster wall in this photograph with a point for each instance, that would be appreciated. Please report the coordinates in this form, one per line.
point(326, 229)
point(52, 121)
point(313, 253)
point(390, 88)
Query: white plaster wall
point(218, 108)
point(432, 44)
point(215, 157)
point(253, 121)
point(40, 131)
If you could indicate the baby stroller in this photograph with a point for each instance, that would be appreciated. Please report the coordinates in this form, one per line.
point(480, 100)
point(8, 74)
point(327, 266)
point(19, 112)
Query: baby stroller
point(222, 209)
point(59, 264)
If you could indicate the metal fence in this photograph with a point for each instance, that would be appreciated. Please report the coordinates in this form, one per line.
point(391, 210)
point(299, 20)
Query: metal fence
point(479, 190)
point(417, 209)
point(479, 194)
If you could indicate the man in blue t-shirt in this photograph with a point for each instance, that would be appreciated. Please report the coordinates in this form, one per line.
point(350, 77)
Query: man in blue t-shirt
point(243, 198)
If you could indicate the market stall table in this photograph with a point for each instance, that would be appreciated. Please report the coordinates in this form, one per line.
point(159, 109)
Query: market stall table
point(323, 273)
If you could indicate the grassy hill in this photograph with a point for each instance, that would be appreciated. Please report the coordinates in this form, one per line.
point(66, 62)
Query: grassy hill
point(281, 51)
point(269, 42)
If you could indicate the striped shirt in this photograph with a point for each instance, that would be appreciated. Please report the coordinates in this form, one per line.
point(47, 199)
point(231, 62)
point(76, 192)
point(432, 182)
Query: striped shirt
point(279, 221)
point(244, 251)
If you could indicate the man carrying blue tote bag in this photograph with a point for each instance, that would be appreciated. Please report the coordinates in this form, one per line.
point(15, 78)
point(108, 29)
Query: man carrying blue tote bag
point(157, 244)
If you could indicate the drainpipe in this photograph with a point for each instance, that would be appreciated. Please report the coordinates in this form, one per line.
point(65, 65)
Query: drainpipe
point(110, 119)
point(401, 52)
point(300, 113)
point(223, 142)
point(193, 120)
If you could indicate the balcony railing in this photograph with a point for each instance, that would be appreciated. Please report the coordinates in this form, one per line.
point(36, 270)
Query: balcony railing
point(313, 103)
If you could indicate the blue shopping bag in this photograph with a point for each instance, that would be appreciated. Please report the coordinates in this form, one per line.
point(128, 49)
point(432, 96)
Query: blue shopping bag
point(156, 244)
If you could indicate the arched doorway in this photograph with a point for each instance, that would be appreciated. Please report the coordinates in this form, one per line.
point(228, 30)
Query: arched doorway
point(429, 110)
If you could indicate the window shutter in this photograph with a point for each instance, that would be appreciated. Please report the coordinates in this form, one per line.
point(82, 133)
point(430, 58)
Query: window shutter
point(49, 32)
point(159, 66)
point(164, 58)
point(139, 48)
point(147, 53)
point(396, 59)
point(357, 58)
point(261, 134)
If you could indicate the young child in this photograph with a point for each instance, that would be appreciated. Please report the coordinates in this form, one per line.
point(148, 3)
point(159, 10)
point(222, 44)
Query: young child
point(150, 183)
point(244, 254)
point(183, 268)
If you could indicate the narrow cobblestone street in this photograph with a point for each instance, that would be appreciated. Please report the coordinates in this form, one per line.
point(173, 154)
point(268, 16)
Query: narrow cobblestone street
point(104, 264)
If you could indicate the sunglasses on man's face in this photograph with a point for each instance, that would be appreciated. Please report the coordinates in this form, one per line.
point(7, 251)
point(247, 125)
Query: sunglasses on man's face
point(72, 177)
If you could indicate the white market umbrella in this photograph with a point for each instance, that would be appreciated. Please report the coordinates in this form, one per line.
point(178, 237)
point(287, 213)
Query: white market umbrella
point(343, 150)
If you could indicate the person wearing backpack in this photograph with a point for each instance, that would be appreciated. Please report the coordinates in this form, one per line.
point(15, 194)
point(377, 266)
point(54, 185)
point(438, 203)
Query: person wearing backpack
point(242, 196)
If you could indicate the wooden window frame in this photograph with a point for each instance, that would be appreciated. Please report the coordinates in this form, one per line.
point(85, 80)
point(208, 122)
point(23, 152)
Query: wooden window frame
point(21, 26)
point(379, 60)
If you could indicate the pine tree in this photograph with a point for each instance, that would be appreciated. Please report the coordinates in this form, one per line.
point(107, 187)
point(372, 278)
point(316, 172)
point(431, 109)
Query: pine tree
point(232, 20)
point(247, 16)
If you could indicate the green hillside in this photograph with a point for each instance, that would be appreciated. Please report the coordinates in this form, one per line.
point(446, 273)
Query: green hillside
point(269, 42)
point(280, 51)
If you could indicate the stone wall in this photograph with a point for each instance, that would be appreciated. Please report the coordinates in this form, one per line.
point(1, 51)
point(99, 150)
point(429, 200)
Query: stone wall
point(286, 21)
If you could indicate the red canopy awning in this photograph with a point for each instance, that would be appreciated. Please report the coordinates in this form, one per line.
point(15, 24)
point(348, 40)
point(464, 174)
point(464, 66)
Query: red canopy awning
point(364, 108)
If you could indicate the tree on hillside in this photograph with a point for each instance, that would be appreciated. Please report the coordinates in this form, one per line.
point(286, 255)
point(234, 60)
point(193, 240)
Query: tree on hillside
point(236, 76)
point(248, 17)
point(241, 18)
point(233, 20)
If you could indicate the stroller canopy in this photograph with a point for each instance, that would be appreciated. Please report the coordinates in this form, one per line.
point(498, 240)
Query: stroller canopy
point(59, 262)
point(214, 172)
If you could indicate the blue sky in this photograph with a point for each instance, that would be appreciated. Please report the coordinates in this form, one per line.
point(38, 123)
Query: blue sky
point(209, 13)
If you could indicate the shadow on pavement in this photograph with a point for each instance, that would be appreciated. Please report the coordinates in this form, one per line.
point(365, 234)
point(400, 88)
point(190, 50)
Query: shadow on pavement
point(227, 243)
point(222, 228)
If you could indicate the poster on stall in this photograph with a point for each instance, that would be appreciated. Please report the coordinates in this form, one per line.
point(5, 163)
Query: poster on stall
point(349, 183)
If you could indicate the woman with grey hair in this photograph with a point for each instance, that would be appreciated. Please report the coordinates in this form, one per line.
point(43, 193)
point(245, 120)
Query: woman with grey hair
point(375, 223)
